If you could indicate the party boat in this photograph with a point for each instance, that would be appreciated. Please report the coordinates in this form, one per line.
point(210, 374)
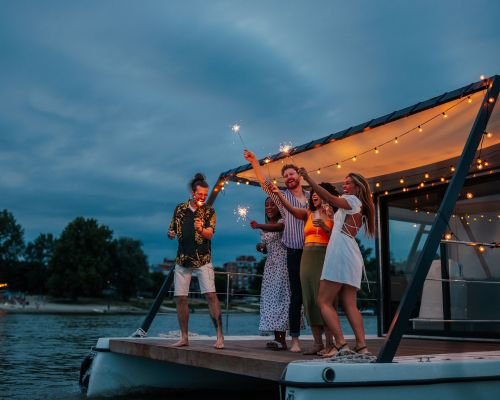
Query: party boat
point(433, 170)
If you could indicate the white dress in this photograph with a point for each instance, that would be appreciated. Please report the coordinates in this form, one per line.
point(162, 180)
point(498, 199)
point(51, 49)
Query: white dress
point(343, 259)
point(275, 290)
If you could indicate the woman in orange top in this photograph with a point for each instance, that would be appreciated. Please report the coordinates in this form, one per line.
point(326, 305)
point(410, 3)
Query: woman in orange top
point(318, 226)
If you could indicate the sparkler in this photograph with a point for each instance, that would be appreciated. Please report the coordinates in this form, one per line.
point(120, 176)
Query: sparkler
point(286, 148)
point(241, 213)
point(236, 129)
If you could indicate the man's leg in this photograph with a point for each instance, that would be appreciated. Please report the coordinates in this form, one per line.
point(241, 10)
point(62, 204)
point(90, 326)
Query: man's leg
point(182, 279)
point(206, 279)
point(183, 318)
point(216, 315)
point(294, 314)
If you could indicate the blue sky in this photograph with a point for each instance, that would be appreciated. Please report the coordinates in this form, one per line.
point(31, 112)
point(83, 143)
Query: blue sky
point(108, 108)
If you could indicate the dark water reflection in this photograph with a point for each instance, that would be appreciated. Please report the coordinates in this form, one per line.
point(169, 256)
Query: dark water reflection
point(40, 355)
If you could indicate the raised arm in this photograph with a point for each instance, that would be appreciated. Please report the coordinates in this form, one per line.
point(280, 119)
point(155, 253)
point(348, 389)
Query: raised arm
point(252, 159)
point(333, 200)
point(299, 213)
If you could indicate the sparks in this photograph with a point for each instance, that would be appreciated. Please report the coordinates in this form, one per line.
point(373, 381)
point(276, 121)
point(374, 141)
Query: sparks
point(236, 129)
point(241, 213)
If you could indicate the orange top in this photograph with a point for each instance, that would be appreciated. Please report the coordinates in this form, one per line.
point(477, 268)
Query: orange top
point(315, 234)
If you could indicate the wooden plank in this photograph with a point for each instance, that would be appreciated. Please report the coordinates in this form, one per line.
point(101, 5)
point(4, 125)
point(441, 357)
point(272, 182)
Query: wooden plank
point(251, 358)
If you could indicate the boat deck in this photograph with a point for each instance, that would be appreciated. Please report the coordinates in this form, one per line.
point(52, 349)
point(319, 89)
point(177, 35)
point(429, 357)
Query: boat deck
point(249, 357)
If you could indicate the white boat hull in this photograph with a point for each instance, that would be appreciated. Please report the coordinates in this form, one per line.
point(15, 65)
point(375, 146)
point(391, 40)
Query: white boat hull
point(113, 374)
point(322, 380)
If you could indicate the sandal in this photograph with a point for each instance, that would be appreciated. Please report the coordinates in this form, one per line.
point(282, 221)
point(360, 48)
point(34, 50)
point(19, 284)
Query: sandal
point(359, 350)
point(336, 350)
point(276, 345)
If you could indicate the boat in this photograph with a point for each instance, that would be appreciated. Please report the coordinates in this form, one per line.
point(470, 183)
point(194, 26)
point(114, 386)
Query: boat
point(433, 169)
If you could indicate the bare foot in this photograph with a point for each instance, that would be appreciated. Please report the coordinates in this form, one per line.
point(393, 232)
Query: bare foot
point(219, 344)
point(295, 348)
point(181, 343)
point(328, 348)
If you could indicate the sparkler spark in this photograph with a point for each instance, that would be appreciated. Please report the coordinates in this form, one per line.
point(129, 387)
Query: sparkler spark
point(236, 129)
point(241, 213)
point(286, 148)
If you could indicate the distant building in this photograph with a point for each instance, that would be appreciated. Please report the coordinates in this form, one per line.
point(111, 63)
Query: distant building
point(242, 265)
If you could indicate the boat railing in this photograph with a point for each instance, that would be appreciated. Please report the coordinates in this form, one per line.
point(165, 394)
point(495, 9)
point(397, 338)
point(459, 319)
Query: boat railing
point(166, 289)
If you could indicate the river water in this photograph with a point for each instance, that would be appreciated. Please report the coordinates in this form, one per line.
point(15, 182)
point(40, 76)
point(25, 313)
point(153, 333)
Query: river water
point(40, 354)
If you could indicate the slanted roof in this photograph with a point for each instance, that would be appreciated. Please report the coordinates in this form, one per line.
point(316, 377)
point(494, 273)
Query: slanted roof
point(433, 150)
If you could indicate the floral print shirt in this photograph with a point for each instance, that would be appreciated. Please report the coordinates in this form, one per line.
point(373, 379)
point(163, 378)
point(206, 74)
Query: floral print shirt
point(194, 250)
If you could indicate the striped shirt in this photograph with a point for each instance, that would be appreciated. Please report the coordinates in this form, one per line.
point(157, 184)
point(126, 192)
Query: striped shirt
point(293, 234)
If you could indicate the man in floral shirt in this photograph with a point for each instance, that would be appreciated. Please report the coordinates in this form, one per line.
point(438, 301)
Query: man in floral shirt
point(193, 223)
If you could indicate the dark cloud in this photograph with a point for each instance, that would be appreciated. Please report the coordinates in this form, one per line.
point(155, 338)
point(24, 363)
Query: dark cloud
point(108, 108)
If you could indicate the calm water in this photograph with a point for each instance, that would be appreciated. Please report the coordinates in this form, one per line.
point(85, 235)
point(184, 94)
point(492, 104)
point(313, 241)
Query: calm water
point(40, 355)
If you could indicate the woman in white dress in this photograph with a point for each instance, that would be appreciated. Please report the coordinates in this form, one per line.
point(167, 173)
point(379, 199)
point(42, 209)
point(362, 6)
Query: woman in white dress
point(343, 266)
point(275, 290)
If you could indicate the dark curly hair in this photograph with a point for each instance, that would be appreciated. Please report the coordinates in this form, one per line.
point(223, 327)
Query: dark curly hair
point(330, 188)
point(198, 180)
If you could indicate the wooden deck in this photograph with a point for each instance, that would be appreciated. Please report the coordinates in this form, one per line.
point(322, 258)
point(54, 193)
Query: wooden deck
point(251, 358)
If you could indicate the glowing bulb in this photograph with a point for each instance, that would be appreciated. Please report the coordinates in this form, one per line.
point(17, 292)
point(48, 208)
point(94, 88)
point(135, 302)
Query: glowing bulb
point(422, 184)
point(376, 150)
point(396, 140)
point(377, 184)
point(489, 135)
point(452, 168)
point(442, 179)
point(247, 183)
point(420, 129)
point(267, 160)
point(275, 181)
point(354, 158)
point(491, 99)
point(469, 195)
point(481, 249)
point(480, 166)
point(482, 77)
point(445, 115)
point(318, 171)
point(386, 192)
point(426, 175)
point(238, 183)
point(469, 100)
point(339, 166)
point(401, 180)
point(448, 236)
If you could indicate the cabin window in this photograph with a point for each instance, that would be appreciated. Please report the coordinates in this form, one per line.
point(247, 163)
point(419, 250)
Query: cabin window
point(460, 294)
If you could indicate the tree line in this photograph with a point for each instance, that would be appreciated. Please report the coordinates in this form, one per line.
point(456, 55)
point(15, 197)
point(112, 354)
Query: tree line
point(84, 261)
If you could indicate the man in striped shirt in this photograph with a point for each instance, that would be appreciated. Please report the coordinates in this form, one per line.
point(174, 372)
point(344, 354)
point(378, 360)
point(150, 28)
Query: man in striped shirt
point(293, 236)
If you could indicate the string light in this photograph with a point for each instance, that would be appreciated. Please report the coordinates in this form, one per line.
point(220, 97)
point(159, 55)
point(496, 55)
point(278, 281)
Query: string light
point(448, 236)
point(401, 181)
point(469, 195)
point(489, 135)
point(287, 148)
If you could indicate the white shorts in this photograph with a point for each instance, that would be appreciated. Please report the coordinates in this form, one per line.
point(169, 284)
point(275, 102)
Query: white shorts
point(182, 279)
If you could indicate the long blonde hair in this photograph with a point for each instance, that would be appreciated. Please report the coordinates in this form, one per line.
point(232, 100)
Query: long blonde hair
point(365, 195)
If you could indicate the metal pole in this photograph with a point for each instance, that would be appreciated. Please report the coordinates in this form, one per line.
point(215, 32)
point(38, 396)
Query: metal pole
point(146, 324)
point(228, 277)
point(400, 322)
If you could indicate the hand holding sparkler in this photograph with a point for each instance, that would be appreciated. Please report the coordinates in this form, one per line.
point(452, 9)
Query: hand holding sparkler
point(198, 225)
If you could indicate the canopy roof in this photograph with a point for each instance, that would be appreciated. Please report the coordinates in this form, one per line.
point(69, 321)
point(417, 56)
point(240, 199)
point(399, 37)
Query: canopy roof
point(430, 137)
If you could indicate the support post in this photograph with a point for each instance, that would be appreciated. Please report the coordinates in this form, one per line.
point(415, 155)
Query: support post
point(400, 320)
